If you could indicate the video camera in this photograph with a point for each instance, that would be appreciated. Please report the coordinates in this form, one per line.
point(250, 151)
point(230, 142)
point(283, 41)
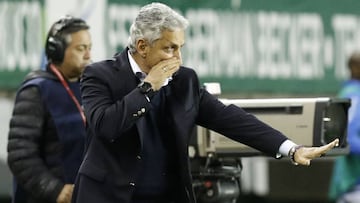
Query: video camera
point(216, 164)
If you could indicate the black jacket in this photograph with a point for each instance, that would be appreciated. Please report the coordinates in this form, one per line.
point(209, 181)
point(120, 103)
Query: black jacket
point(35, 153)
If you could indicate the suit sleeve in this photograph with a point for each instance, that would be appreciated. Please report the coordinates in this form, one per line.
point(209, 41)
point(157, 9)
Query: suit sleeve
point(236, 124)
point(110, 110)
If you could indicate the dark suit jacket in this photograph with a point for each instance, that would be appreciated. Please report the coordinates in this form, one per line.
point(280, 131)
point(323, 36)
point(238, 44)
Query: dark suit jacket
point(115, 108)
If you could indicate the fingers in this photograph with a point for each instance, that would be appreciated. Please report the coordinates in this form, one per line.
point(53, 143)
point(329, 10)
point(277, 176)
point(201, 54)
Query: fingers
point(70, 192)
point(65, 194)
point(304, 155)
point(326, 148)
point(336, 142)
point(303, 160)
point(169, 65)
point(161, 71)
point(333, 144)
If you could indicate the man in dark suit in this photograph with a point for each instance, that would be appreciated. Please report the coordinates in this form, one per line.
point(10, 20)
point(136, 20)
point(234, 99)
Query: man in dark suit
point(142, 106)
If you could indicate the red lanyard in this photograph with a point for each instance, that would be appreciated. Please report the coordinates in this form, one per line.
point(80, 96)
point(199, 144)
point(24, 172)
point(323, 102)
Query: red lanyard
point(69, 91)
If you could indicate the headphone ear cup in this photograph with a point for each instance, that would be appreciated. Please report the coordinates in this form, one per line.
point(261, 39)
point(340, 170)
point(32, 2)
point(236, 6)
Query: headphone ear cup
point(55, 50)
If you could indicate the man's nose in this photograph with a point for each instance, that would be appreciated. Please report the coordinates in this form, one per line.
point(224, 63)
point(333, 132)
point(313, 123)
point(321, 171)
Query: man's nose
point(177, 54)
point(87, 54)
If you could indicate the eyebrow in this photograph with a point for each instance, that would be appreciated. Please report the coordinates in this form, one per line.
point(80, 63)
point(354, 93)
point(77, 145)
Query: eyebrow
point(83, 44)
point(174, 44)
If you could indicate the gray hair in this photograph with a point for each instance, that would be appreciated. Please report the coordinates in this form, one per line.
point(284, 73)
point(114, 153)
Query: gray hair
point(152, 20)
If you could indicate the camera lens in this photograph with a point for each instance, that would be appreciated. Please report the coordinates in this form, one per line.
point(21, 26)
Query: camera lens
point(335, 123)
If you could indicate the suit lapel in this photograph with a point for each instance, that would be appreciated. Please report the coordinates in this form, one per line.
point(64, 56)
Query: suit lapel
point(126, 77)
point(127, 82)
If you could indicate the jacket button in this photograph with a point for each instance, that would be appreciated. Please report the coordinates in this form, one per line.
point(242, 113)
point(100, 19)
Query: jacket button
point(132, 184)
point(143, 110)
point(138, 157)
point(139, 113)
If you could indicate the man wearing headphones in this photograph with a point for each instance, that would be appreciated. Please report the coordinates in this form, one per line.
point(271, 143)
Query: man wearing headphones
point(47, 128)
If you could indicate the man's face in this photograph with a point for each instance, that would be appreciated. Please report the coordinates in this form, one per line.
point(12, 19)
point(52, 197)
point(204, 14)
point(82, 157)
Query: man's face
point(77, 54)
point(168, 46)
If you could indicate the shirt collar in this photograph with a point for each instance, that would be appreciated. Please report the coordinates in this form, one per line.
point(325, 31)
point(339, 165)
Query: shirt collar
point(134, 66)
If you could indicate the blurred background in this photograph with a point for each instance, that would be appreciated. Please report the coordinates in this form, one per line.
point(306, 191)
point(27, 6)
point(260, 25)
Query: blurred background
point(253, 48)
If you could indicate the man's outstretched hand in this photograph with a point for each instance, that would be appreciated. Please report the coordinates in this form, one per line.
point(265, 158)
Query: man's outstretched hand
point(304, 155)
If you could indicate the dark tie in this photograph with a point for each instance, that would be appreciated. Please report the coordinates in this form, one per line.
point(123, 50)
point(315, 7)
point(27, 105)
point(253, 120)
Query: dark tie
point(140, 75)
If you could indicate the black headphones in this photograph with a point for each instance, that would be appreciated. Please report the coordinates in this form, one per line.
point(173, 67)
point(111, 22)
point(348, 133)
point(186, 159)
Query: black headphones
point(56, 39)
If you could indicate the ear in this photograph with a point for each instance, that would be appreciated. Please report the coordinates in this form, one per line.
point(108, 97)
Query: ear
point(142, 47)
